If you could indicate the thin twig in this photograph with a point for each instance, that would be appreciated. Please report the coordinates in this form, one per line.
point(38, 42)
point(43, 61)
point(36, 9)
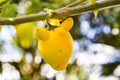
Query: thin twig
point(72, 11)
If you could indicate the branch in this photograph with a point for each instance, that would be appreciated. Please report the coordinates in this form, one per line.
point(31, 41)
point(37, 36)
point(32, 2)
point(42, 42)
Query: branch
point(23, 19)
point(72, 11)
point(60, 13)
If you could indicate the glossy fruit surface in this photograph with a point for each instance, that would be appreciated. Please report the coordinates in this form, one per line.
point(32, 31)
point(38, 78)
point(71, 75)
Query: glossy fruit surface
point(56, 46)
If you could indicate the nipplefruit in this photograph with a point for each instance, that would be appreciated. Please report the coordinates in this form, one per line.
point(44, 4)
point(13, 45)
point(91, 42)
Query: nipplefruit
point(56, 46)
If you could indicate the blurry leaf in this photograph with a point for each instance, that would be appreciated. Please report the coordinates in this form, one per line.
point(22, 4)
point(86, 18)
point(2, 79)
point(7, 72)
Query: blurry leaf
point(0, 27)
point(27, 77)
point(109, 68)
point(8, 10)
point(1, 45)
point(25, 34)
point(34, 7)
point(16, 65)
point(0, 67)
point(93, 1)
point(68, 69)
point(2, 2)
point(15, 1)
point(109, 40)
point(75, 30)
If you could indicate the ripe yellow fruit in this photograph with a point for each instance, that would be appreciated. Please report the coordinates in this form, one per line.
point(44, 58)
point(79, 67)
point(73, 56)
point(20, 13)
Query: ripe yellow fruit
point(56, 46)
point(24, 34)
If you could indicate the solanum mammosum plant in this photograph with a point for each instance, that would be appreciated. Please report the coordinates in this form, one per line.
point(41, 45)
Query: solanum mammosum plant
point(56, 46)
point(37, 38)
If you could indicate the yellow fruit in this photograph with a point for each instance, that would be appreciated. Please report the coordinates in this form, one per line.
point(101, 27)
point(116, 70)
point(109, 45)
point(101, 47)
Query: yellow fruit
point(42, 33)
point(24, 34)
point(67, 24)
point(57, 45)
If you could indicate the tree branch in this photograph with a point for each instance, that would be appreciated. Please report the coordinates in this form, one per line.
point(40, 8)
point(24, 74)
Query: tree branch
point(23, 19)
point(60, 13)
point(72, 11)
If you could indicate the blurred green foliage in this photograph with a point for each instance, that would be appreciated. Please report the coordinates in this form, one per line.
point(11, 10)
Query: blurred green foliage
point(109, 68)
point(8, 10)
point(110, 17)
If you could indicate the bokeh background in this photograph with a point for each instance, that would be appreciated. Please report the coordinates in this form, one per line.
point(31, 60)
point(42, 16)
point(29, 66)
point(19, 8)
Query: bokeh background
point(96, 54)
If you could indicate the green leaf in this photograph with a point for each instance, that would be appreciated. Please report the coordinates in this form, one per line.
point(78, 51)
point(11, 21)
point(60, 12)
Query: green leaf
point(109, 68)
point(0, 67)
point(35, 7)
point(2, 2)
point(8, 10)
